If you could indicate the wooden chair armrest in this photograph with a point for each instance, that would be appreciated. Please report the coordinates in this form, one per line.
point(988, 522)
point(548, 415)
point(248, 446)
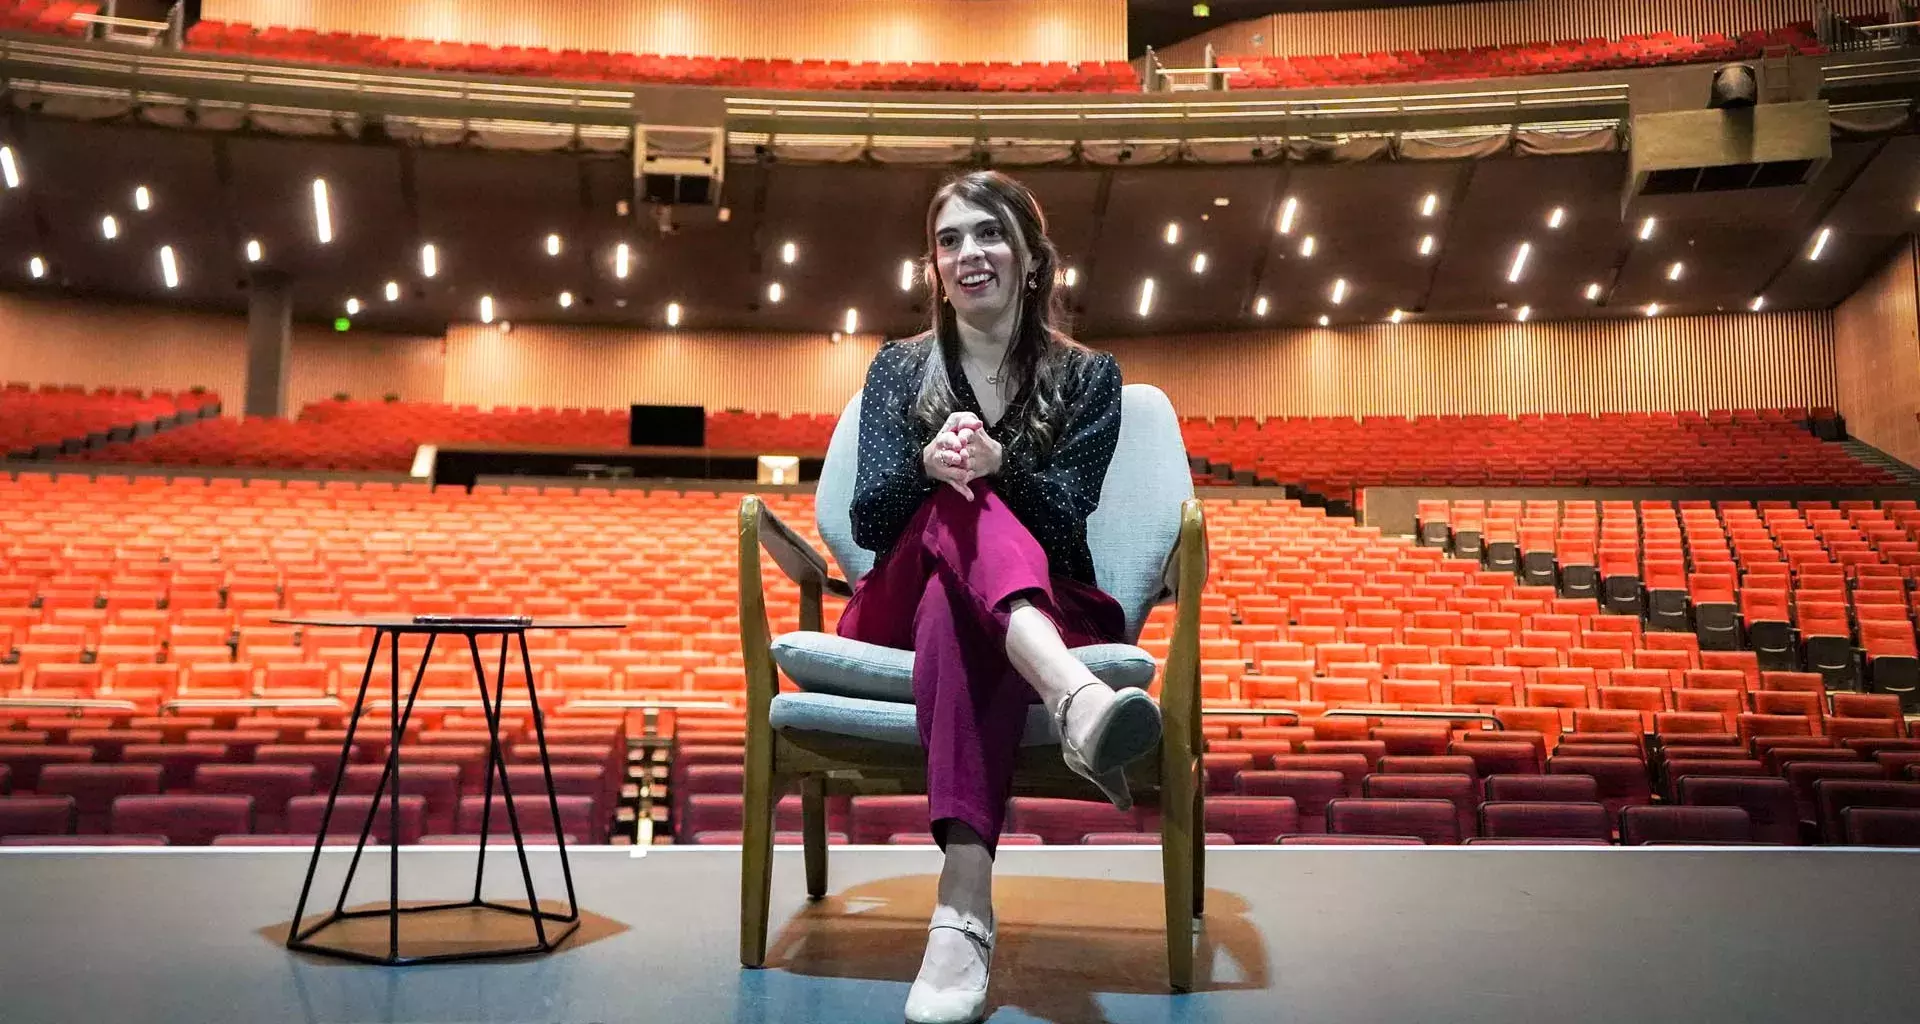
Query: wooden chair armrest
point(800, 561)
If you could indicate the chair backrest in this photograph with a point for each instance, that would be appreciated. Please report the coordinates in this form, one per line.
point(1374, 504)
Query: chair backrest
point(1131, 534)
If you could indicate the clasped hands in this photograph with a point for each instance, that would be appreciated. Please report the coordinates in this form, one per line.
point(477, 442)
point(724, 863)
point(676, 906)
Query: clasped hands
point(961, 453)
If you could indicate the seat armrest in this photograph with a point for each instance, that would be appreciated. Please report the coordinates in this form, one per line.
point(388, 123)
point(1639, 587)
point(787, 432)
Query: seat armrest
point(800, 561)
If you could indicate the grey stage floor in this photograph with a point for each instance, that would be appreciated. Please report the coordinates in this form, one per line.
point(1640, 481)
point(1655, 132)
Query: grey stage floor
point(1299, 934)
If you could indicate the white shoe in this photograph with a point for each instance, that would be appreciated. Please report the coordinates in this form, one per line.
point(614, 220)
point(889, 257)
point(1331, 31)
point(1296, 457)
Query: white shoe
point(1128, 729)
point(929, 1005)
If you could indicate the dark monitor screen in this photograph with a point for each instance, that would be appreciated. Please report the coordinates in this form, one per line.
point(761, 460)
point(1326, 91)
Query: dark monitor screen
point(668, 426)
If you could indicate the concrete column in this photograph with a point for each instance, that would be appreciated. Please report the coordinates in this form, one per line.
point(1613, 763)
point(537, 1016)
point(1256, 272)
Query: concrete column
point(269, 343)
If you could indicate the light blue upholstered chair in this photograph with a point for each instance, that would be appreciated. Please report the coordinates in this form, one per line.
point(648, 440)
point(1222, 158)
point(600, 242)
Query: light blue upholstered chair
point(850, 727)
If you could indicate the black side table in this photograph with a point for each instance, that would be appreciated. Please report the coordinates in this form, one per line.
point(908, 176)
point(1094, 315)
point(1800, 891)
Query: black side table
point(390, 630)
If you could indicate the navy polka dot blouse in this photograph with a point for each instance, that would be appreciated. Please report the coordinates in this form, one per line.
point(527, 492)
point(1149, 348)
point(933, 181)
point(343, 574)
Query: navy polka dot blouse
point(1052, 493)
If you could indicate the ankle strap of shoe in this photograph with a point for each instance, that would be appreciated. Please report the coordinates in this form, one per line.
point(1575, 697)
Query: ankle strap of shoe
point(970, 930)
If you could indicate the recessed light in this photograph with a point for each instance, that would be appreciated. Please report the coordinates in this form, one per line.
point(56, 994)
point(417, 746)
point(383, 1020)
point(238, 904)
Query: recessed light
point(8, 167)
point(1325, 320)
point(789, 252)
point(1519, 265)
point(1199, 262)
point(553, 245)
point(906, 275)
point(1646, 228)
point(1307, 245)
point(725, 214)
point(429, 260)
point(1173, 232)
point(1288, 210)
point(566, 300)
point(353, 307)
point(673, 314)
point(1523, 313)
point(1759, 302)
point(142, 198)
point(1339, 292)
point(1396, 316)
point(1820, 243)
point(1146, 297)
point(254, 252)
point(1593, 291)
point(623, 260)
point(1071, 277)
point(852, 322)
point(109, 228)
point(1222, 201)
point(486, 309)
point(1426, 245)
point(169, 269)
point(322, 212)
point(1260, 306)
point(1429, 205)
point(1557, 217)
point(1674, 272)
point(393, 291)
point(37, 267)
point(776, 292)
point(1653, 309)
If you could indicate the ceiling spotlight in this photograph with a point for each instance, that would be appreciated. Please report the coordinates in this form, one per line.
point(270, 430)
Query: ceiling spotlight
point(1519, 262)
point(789, 252)
point(1426, 245)
point(1199, 262)
point(1288, 211)
point(1593, 292)
point(254, 252)
point(1429, 204)
point(776, 292)
point(1260, 306)
point(393, 291)
point(1646, 228)
point(1072, 277)
point(1523, 313)
point(142, 198)
point(1557, 217)
point(622, 260)
point(1674, 272)
point(1759, 302)
point(906, 275)
point(429, 260)
point(1820, 243)
point(1222, 201)
point(1325, 320)
point(8, 167)
point(673, 314)
point(1396, 316)
point(1146, 297)
point(1339, 293)
point(852, 325)
point(566, 300)
point(37, 267)
point(486, 309)
point(1307, 246)
point(169, 270)
point(353, 307)
point(322, 212)
point(553, 245)
point(1173, 232)
point(109, 228)
point(1653, 309)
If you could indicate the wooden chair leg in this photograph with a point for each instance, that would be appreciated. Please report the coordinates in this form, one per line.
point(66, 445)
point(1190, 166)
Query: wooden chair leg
point(1179, 868)
point(1199, 834)
point(813, 825)
point(756, 865)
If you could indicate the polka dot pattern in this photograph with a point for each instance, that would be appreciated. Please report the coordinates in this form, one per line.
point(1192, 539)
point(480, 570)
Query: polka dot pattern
point(1053, 494)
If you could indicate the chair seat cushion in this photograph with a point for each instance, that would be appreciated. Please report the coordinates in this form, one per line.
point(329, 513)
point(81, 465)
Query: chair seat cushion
point(879, 721)
point(826, 663)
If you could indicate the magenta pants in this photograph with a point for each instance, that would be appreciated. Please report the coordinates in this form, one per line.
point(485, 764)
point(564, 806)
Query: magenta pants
point(944, 591)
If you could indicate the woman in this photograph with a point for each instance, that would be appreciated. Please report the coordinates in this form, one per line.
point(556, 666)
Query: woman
point(983, 446)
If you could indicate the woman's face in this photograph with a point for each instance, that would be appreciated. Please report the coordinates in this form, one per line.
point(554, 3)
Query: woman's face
point(980, 258)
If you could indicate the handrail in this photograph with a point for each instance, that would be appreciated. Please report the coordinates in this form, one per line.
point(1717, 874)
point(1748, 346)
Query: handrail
point(252, 704)
point(1449, 716)
point(1252, 712)
point(73, 704)
point(646, 703)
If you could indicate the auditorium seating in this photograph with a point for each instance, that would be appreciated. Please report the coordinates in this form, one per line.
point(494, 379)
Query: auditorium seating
point(308, 46)
point(1497, 61)
point(41, 422)
point(53, 17)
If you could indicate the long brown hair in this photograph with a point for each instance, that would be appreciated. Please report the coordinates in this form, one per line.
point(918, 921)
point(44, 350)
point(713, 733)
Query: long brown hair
point(1040, 351)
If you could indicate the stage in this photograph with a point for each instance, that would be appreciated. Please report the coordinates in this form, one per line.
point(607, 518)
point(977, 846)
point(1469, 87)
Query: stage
point(1387, 934)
